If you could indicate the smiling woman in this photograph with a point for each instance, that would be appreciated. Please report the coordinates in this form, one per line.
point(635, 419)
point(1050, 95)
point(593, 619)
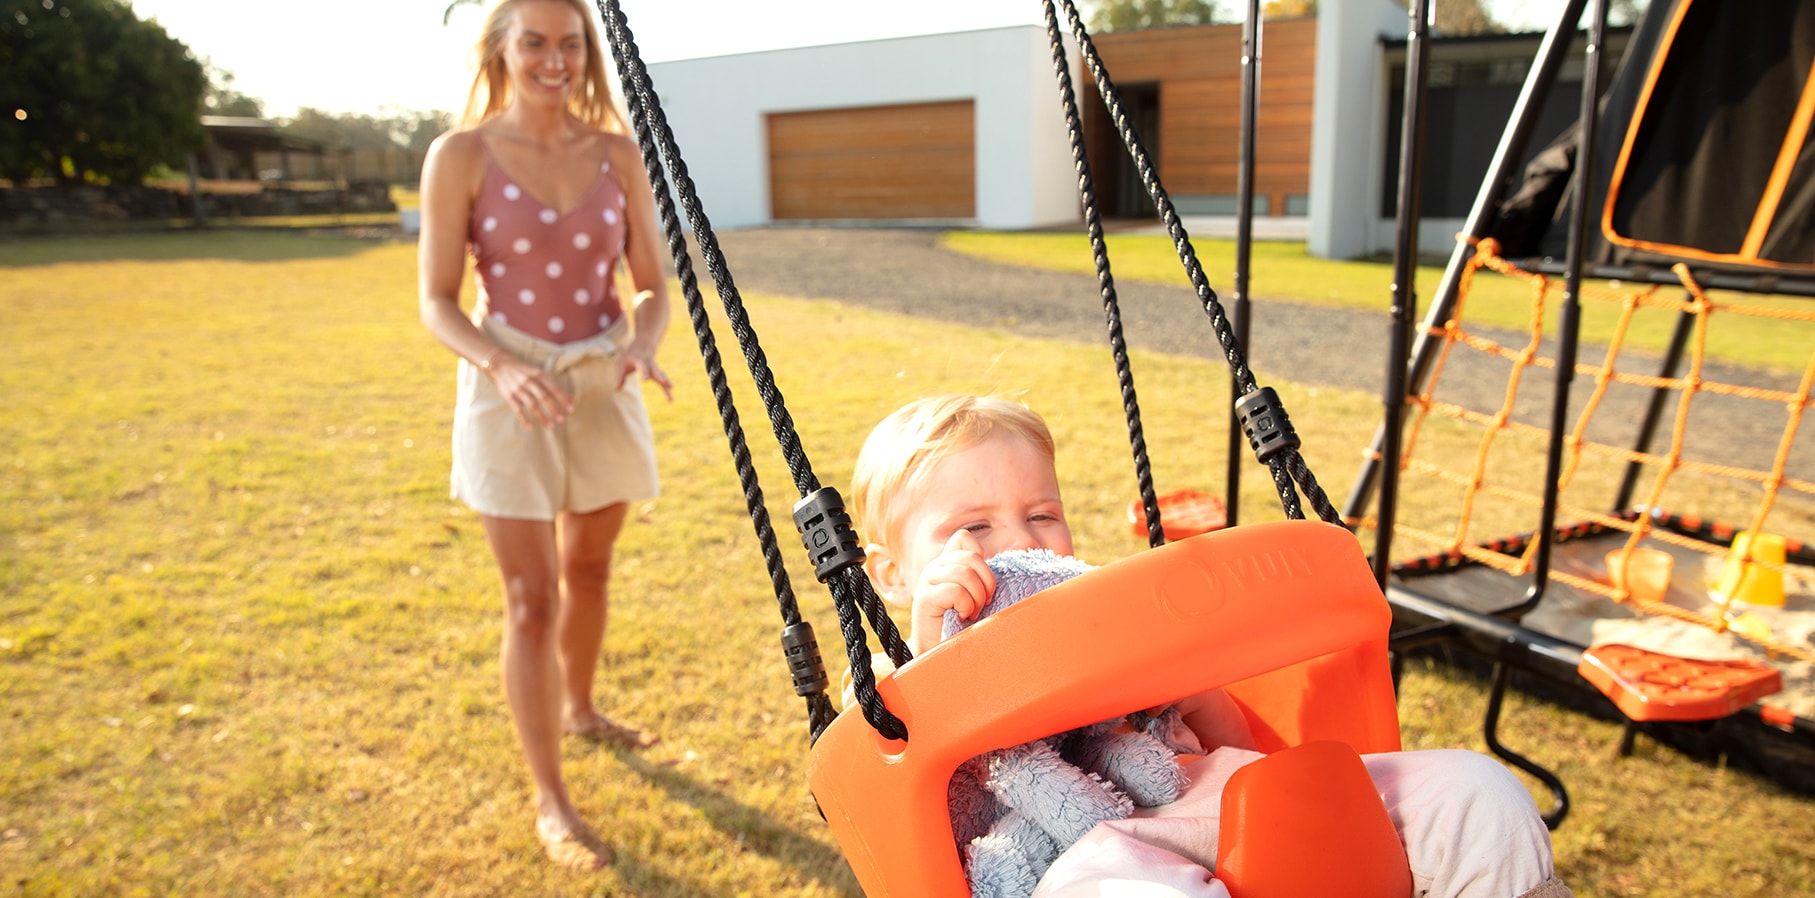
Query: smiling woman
point(551, 438)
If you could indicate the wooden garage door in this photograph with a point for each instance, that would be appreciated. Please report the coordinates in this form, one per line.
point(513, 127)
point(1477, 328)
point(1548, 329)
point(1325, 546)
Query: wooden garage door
point(910, 161)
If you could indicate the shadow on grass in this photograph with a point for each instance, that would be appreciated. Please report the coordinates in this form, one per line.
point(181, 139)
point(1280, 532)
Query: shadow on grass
point(191, 244)
point(752, 828)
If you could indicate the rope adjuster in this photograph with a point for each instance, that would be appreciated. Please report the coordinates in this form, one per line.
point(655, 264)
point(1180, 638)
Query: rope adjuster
point(1264, 422)
point(825, 529)
point(801, 649)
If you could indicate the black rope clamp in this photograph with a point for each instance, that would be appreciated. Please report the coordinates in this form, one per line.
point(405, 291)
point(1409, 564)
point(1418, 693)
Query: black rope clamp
point(1264, 422)
point(801, 649)
point(825, 528)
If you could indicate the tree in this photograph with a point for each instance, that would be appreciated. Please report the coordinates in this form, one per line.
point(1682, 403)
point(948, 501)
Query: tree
point(1133, 15)
point(1454, 18)
point(393, 128)
point(93, 92)
point(1289, 9)
point(224, 99)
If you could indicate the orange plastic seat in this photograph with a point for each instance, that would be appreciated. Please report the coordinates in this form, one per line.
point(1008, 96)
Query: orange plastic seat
point(1307, 821)
point(1285, 615)
point(1651, 686)
point(1183, 514)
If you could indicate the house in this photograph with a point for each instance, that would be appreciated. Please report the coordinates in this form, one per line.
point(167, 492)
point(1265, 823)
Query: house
point(966, 128)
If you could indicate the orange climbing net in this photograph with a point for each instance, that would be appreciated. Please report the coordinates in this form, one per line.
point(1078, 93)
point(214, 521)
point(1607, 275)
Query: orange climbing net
point(1669, 467)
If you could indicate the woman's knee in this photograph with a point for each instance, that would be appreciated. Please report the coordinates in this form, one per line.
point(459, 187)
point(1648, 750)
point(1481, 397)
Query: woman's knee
point(531, 606)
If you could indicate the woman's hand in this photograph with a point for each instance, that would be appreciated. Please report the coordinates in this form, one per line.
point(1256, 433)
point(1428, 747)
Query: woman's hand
point(640, 363)
point(958, 580)
point(529, 390)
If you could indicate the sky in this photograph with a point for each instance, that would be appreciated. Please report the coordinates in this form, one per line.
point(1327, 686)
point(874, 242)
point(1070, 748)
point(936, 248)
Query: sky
point(364, 56)
point(367, 56)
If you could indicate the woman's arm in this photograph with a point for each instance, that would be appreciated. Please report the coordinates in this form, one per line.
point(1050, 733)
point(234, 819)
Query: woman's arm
point(643, 258)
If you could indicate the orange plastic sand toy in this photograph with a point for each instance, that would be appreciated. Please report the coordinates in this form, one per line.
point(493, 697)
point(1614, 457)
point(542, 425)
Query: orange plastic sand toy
point(1649, 686)
point(1286, 615)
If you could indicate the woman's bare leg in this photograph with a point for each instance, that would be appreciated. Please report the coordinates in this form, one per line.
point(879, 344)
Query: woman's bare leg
point(586, 546)
point(528, 563)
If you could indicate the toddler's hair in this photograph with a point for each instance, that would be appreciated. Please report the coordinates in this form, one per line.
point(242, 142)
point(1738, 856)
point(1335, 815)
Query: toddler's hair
point(909, 442)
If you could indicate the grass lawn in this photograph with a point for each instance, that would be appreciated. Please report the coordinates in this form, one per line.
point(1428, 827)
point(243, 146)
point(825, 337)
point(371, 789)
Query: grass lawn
point(248, 645)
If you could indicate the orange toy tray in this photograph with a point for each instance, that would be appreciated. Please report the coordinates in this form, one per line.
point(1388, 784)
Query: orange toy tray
point(1649, 686)
point(1183, 514)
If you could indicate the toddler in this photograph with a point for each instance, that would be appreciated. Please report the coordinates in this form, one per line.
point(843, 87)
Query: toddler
point(947, 482)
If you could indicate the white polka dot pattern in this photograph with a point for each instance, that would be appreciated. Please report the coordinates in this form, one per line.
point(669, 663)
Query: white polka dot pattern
point(557, 265)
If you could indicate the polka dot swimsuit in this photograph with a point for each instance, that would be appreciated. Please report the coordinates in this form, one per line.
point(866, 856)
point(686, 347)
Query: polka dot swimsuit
point(544, 272)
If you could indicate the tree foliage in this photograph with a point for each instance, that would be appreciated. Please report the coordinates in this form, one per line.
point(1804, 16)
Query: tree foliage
point(392, 129)
point(224, 99)
point(1288, 9)
point(93, 92)
point(1456, 18)
point(1134, 15)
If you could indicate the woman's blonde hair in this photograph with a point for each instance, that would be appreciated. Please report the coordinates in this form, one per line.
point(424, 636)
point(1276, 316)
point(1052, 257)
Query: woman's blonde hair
point(490, 92)
point(909, 442)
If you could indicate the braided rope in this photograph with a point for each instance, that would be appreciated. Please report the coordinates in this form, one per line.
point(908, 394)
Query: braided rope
point(1099, 250)
point(1287, 466)
point(849, 592)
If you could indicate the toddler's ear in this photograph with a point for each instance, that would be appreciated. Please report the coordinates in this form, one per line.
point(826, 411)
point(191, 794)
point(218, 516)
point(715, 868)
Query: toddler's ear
point(887, 576)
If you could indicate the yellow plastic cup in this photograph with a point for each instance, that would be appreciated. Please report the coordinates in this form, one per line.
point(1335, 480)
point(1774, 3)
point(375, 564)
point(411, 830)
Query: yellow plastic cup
point(1754, 570)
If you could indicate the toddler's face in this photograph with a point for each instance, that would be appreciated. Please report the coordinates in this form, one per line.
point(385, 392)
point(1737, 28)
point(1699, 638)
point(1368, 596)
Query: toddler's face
point(1003, 490)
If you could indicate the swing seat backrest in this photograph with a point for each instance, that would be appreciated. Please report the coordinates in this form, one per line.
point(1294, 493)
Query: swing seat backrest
point(1286, 616)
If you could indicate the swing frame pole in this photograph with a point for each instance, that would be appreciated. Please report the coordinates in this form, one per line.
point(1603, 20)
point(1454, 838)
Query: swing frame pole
point(1244, 243)
point(1524, 118)
point(1570, 315)
point(1405, 271)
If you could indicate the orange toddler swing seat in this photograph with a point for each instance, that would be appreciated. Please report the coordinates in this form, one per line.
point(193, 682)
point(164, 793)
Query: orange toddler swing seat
point(1285, 616)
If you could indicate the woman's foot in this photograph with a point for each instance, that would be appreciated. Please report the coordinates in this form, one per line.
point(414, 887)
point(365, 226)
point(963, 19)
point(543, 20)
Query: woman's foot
point(572, 845)
point(605, 731)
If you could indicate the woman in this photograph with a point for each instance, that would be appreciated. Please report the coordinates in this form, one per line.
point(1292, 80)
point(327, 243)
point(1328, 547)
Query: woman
point(551, 439)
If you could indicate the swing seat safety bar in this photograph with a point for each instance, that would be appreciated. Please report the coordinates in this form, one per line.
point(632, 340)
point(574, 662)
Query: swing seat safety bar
point(1286, 616)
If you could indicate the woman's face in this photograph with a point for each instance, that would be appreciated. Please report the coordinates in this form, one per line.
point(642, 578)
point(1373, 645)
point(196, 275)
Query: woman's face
point(545, 52)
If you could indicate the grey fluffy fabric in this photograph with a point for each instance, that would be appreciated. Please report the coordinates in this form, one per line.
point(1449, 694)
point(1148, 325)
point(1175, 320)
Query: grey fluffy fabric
point(1016, 809)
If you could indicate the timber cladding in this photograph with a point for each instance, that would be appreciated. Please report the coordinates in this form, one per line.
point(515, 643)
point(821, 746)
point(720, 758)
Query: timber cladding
point(1198, 73)
point(915, 160)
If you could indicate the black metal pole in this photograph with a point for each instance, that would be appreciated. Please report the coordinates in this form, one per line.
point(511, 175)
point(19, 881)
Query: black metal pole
point(1244, 239)
point(1570, 316)
point(1487, 205)
point(1405, 272)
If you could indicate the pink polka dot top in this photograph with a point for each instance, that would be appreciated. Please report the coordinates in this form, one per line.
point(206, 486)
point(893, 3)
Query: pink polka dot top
point(546, 272)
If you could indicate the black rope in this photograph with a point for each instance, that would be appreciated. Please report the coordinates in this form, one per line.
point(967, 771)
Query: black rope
point(1287, 465)
point(1112, 310)
point(850, 589)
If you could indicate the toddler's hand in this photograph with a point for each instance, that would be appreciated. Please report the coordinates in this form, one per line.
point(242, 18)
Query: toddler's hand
point(958, 580)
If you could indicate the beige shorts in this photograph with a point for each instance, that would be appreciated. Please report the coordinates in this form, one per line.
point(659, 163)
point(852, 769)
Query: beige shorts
point(601, 455)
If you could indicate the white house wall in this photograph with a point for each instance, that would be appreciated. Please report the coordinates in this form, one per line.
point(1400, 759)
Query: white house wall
point(716, 107)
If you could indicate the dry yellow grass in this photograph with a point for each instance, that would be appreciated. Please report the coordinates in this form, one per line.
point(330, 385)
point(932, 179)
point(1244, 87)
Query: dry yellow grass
point(247, 645)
